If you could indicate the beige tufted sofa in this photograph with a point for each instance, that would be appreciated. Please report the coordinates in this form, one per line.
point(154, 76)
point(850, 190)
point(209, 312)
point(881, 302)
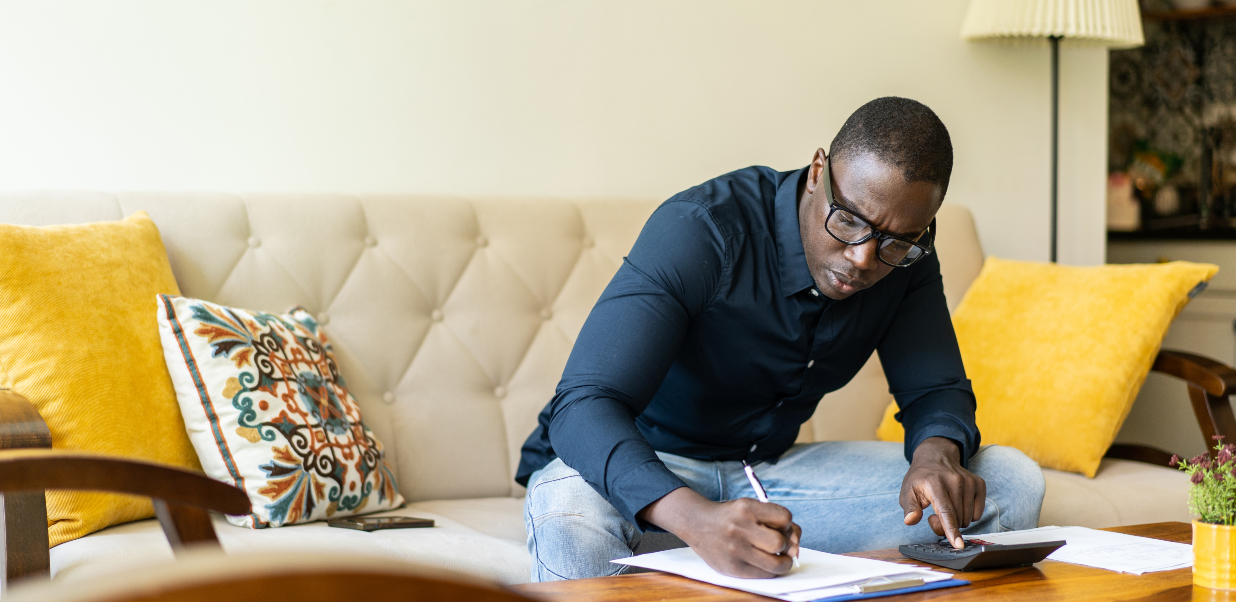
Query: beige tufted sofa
point(452, 320)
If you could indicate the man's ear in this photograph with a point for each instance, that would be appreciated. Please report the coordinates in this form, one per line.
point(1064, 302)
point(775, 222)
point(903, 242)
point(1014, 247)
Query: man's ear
point(815, 174)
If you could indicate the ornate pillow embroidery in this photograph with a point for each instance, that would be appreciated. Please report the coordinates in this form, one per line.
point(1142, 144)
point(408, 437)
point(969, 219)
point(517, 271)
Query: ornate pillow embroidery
point(282, 394)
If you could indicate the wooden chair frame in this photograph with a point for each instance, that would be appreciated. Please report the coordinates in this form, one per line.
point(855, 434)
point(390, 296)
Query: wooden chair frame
point(1210, 386)
point(183, 499)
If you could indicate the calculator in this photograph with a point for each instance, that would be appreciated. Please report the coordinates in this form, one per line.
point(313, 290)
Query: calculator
point(979, 554)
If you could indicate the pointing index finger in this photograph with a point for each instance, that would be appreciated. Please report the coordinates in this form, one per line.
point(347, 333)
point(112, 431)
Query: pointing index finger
point(946, 511)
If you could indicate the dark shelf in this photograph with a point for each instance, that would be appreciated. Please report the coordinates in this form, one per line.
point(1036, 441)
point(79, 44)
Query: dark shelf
point(1213, 12)
point(1190, 233)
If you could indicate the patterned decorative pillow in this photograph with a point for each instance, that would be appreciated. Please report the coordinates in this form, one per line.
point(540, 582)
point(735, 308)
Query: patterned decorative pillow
point(268, 411)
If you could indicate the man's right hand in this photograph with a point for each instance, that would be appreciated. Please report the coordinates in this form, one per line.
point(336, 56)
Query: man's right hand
point(740, 538)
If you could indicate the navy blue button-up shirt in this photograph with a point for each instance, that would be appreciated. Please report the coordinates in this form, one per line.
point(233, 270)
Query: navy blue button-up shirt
point(712, 342)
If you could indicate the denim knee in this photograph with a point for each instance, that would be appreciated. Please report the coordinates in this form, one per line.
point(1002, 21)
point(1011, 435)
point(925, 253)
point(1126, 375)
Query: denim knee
point(1014, 483)
point(573, 532)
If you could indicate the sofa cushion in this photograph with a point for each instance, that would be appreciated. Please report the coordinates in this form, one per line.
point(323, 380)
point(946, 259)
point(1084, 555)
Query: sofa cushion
point(1122, 492)
point(1057, 353)
point(78, 338)
point(450, 545)
point(269, 412)
point(500, 517)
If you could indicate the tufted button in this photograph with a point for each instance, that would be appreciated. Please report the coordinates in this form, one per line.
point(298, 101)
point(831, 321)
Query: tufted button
point(547, 313)
point(589, 243)
point(254, 242)
point(481, 241)
point(323, 319)
point(436, 316)
point(388, 397)
point(371, 241)
point(500, 392)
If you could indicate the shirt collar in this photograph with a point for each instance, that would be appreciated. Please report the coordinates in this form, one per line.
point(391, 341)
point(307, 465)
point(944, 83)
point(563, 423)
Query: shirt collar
point(795, 277)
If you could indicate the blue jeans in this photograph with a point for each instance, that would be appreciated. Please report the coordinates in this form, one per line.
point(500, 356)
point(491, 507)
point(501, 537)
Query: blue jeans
point(844, 495)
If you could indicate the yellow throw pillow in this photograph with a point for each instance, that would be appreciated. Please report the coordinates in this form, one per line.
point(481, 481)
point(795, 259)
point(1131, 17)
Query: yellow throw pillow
point(1057, 354)
point(79, 338)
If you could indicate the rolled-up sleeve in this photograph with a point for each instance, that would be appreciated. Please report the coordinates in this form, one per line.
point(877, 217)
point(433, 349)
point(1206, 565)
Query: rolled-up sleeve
point(923, 365)
point(626, 348)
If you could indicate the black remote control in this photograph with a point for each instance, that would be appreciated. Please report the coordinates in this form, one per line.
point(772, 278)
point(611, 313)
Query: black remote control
point(979, 554)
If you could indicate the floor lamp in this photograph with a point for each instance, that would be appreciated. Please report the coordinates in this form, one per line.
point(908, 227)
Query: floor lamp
point(1111, 23)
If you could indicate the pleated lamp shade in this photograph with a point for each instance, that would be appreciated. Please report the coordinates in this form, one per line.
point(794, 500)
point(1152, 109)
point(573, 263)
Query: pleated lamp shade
point(1114, 23)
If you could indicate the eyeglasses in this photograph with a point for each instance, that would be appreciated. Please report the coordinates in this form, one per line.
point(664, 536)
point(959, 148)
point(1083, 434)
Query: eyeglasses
point(853, 229)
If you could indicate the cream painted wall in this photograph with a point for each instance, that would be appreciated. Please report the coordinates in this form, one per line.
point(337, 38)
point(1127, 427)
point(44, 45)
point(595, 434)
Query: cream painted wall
point(637, 98)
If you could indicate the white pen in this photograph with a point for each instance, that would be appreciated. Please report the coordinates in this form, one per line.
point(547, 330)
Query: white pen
point(760, 494)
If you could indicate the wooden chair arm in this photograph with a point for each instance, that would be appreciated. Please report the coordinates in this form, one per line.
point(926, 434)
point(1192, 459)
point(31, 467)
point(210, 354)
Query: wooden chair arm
point(1210, 383)
point(182, 499)
point(20, 423)
point(24, 519)
point(40, 469)
point(1212, 377)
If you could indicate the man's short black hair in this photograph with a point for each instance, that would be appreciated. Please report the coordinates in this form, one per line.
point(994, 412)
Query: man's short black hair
point(900, 132)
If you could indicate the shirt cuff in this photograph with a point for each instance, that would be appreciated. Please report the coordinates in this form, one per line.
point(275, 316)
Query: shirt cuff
point(641, 486)
point(953, 433)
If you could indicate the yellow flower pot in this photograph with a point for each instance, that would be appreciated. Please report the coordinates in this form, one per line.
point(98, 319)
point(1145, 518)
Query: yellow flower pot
point(1214, 555)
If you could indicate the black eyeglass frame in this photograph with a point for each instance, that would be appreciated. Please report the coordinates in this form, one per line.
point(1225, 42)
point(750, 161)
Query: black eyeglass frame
point(833, 206)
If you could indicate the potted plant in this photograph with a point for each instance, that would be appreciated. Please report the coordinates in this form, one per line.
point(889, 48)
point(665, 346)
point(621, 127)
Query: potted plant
point(1213, 499)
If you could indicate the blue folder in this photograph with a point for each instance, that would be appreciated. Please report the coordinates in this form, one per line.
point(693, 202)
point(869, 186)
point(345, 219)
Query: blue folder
point(897, 592)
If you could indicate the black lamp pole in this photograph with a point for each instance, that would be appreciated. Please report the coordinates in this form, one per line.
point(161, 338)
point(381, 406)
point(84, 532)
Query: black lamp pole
point(1055, 134)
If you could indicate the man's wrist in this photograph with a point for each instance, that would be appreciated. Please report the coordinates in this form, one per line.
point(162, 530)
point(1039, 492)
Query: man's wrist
point(935, 447)
point(674, 511)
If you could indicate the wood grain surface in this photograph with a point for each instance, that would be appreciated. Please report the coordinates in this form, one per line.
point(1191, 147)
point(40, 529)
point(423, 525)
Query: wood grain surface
point(40, 469)
point(25, 512)
point(1044, 582)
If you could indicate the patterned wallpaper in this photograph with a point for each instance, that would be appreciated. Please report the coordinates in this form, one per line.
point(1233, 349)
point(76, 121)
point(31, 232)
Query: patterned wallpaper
point(1166, 93)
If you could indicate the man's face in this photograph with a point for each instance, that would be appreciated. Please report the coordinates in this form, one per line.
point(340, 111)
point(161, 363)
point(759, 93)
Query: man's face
point(875, 190)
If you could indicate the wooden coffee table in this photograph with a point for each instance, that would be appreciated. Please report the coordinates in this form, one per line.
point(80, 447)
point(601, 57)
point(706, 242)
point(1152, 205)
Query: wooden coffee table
point(1043, 582)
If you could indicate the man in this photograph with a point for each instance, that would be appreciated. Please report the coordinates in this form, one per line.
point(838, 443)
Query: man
point(745, 300)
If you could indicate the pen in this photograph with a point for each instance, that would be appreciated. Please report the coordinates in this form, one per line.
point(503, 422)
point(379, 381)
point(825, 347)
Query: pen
point(760, 494)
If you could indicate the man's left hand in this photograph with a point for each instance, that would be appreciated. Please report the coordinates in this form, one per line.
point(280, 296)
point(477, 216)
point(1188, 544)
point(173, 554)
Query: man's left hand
point(937, 479)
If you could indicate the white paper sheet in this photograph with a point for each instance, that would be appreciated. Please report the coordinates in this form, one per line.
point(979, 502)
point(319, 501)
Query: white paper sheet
point(1104, 549)
point(819, 570)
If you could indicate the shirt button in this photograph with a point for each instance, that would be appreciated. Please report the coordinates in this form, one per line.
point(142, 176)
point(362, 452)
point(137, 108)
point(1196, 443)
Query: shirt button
point(810, 363)
point(754, 445)
point(815, 293)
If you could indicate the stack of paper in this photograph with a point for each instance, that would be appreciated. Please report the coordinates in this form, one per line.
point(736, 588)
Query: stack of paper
point(1103, 549)
point(821, 575)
